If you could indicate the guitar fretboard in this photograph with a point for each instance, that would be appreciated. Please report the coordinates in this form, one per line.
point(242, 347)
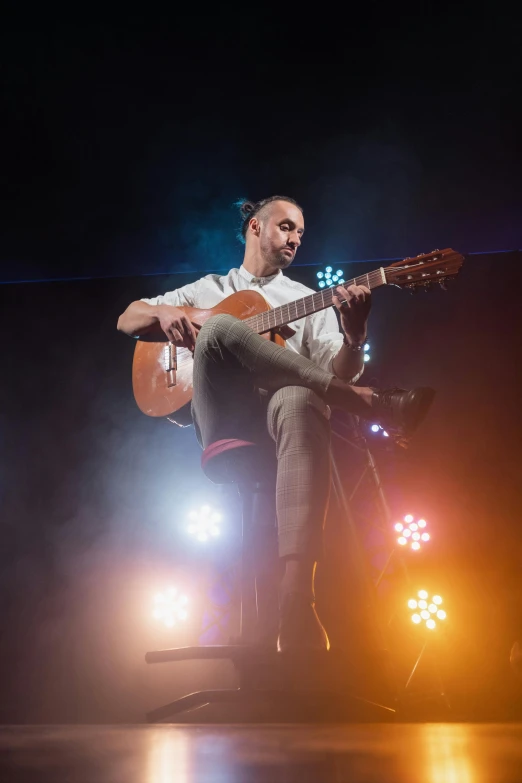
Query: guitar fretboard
point(285, 314)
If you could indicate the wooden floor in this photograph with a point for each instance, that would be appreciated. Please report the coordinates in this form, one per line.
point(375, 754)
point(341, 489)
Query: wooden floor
point(381, 753)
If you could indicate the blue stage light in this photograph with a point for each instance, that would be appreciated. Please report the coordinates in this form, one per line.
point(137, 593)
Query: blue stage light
point(376, 428)
point(327, 277)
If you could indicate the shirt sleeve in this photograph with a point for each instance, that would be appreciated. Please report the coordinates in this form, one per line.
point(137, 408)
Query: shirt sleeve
point(186, 295)
point(325, 340)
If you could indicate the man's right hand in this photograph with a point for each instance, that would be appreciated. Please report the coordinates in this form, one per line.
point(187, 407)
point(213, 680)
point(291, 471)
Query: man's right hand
point(177, 326)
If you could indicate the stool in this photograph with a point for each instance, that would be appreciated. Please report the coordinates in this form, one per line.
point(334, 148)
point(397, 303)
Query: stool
point(245, 463)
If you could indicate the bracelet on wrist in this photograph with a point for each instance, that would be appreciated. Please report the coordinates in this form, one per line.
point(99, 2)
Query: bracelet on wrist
point(354, 346)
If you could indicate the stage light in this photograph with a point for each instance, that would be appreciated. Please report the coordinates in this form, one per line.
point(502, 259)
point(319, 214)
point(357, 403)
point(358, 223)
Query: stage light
point(376, 428)
point(328, 277)
point(410, 529)
point(170, 607)
point(203, 523)
point(429, 609)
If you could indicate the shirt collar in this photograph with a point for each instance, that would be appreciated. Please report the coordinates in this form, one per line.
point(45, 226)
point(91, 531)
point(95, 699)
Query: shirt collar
point(253, 279)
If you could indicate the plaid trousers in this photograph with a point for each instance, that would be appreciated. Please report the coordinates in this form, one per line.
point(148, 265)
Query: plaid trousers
point(231, 364)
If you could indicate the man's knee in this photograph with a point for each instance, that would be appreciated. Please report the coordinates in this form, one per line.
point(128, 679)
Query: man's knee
point(297, 403)
point(214, 328)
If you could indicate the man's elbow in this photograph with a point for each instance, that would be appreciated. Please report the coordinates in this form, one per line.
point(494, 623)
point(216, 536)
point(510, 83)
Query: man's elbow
point(120, 325)
point(124, 326)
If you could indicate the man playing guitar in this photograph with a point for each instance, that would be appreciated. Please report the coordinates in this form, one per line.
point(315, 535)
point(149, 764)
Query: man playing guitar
point(248, 387)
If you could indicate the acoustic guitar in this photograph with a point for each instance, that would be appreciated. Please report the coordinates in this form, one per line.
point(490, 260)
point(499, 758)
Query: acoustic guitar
point(162, 373)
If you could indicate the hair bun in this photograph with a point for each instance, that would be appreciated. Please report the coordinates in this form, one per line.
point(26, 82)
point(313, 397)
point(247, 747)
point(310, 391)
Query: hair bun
point(246, 208)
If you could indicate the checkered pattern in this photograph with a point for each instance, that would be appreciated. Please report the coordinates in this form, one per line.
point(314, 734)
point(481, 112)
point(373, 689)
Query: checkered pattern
point(231, 364)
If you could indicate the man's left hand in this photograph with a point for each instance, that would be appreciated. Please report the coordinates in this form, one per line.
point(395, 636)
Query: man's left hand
point(353, 303)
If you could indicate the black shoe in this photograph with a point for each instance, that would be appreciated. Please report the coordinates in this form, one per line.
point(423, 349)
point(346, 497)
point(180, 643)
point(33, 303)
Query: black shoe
point(300, 628)
point(400, 410)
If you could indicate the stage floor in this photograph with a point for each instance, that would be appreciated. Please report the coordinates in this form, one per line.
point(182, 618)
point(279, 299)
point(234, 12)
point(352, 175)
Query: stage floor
point(381, 753)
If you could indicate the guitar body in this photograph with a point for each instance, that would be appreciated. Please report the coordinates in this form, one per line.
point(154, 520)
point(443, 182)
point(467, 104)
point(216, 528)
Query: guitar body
point(162, 373)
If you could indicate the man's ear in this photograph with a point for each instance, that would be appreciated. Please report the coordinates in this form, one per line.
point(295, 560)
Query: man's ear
point(254, 226)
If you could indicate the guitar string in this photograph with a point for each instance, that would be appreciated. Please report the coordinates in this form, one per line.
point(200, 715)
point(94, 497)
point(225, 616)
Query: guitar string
point(270, 319)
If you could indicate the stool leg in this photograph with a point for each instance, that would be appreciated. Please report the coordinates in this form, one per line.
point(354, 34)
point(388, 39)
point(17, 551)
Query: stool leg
point(267, 564)
point(248, 614)
point(259, 577)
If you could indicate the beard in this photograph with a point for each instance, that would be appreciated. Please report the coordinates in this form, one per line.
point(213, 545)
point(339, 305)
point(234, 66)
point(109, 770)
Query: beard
point(276, 257)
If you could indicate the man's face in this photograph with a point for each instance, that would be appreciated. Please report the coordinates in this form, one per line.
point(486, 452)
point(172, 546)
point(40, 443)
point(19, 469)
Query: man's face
point(281, 232)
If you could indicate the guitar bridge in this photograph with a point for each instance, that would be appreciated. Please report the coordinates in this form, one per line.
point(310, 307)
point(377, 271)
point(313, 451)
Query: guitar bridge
point(170, 363)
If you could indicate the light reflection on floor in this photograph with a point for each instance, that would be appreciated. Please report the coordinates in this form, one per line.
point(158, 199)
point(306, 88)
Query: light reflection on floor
point(447, 754)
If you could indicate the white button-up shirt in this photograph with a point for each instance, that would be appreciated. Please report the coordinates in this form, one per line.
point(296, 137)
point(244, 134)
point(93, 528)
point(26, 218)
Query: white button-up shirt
point(317, 336)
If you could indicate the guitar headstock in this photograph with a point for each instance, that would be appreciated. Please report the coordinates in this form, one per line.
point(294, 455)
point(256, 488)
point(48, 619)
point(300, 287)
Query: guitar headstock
point(421, 271)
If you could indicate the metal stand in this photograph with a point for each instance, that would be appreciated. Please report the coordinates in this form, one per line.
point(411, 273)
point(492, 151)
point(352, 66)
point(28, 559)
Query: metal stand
point(381, 519)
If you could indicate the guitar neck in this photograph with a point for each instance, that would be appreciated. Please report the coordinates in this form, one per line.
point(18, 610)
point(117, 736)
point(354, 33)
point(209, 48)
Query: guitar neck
point(300, 308)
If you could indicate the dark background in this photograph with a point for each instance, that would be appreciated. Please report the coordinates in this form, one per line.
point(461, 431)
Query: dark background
point(125, 144)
